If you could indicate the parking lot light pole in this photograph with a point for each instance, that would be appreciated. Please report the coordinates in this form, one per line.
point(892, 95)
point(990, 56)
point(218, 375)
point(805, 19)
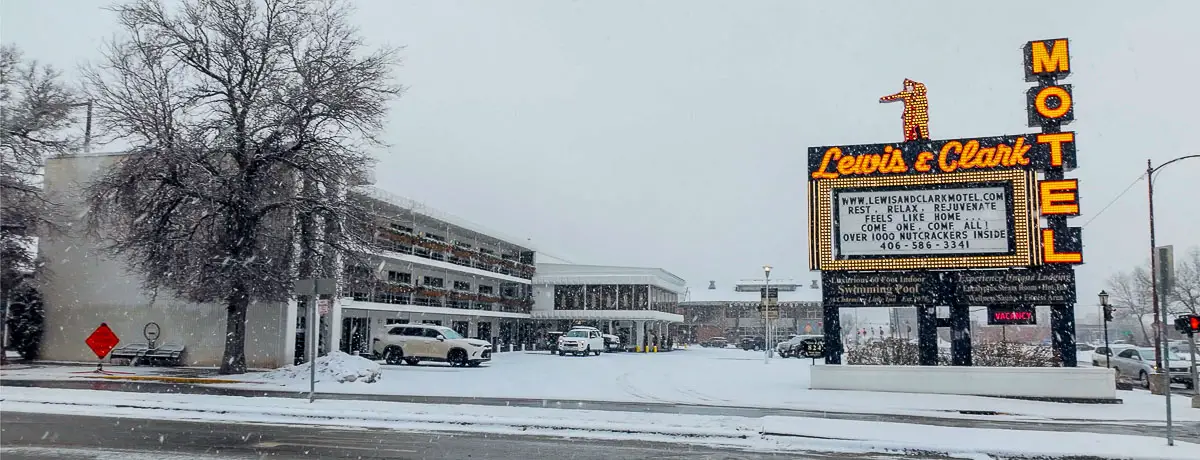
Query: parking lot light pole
point(1106, 315)
point(767, 315)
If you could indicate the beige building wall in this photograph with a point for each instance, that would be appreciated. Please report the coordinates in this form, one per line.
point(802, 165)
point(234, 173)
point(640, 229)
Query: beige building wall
point(84, 288)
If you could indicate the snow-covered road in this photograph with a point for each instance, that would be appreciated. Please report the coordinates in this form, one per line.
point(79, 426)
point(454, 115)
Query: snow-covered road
point(771, 433)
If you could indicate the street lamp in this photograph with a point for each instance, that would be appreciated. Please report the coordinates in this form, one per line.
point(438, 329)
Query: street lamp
point(1107, 316)
point(1159, 337)
point(767, 315)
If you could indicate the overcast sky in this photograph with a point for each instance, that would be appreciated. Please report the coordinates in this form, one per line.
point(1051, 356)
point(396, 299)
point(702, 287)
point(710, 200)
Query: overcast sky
point(673, 134)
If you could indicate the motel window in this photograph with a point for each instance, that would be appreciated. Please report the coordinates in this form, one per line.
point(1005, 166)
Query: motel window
point(509, 290)
point(402, 228)
point(399, 277)
point(435, 237)
point(485, 289)
point(433, 281)
point(462, 286)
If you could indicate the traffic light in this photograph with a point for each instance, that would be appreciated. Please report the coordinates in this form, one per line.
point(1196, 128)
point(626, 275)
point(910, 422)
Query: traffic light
point(1108, 311)
point(1188, 324)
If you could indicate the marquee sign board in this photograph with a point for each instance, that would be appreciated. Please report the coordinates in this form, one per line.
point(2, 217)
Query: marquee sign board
point(1044, 285)
point(962, 220)
point(846, 289)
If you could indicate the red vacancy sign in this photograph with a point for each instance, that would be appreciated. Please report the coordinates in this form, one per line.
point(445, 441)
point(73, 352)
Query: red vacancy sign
point(102, 341)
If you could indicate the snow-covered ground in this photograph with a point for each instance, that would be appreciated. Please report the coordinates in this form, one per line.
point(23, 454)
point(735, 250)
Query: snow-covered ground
point(718, 377)
point(772, 433)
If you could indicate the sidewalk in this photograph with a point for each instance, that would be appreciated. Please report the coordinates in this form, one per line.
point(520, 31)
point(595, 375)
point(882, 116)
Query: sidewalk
point(763, 433)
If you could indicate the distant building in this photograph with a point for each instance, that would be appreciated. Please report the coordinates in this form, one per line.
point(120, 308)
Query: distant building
point(732, 313)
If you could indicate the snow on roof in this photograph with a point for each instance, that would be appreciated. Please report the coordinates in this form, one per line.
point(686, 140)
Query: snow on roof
point(429, 211)
point(602, 274)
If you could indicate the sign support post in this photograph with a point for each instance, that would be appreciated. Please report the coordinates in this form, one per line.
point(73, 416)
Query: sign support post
point(927, 349)
point(308, 290)
point(960, 335)
point(1192, 349)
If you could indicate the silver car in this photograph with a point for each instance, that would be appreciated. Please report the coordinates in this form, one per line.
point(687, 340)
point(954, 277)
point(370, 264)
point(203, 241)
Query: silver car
point(1138, 363)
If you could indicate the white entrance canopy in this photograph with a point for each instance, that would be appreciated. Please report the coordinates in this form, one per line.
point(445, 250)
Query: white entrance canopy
point(607, 315)
point(561, 274)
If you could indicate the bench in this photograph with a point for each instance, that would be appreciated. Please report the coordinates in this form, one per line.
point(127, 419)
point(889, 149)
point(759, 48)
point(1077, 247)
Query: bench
point(137, 353)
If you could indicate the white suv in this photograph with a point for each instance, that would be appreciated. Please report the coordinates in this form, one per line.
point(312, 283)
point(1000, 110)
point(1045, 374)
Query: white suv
point(581, 341)
point(413, 343)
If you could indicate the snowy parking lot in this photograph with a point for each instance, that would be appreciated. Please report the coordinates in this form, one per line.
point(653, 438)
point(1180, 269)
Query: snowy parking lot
point(703, 376)
point(706, 376)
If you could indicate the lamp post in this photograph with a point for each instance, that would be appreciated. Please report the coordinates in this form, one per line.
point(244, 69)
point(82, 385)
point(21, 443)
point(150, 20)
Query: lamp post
point(1106, 316)
point(767, 315)
point(1160, 335)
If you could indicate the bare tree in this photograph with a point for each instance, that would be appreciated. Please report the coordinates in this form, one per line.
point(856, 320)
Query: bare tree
point(247, 118)
point(35, 117)
point(1130, 294)
point(1184, 296)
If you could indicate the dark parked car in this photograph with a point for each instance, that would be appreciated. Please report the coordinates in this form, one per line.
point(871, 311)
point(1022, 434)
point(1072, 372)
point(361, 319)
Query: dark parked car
point(715, 342)
point(752, 343)
point(552, 341)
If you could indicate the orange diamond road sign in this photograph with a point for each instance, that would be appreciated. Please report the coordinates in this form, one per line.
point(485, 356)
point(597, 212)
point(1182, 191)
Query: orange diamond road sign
point(102, 341)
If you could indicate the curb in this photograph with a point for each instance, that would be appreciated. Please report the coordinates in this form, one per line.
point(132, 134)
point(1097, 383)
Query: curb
point(447, 422)
point(163, 379)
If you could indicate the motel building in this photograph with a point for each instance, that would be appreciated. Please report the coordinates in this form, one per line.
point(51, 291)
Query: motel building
point(634, 303)
point(426, 267)
point(429, 267)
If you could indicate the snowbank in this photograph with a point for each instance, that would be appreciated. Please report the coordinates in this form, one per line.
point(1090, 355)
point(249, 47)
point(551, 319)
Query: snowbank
point(335, 367)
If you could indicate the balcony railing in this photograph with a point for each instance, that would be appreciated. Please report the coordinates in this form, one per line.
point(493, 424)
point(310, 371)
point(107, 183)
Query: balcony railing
point(458, 254)
point(407, 294)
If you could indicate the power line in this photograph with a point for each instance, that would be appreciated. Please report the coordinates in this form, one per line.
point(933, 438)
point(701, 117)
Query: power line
point(1114, 200)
